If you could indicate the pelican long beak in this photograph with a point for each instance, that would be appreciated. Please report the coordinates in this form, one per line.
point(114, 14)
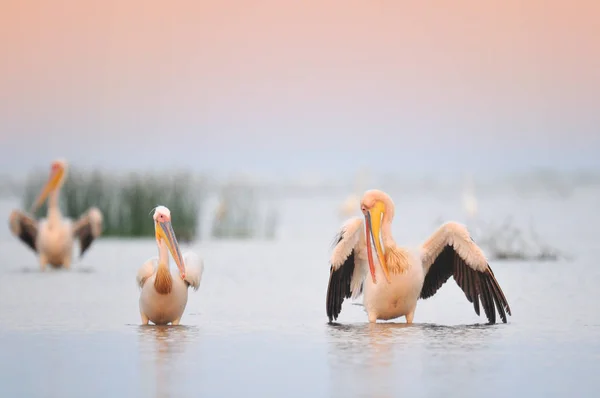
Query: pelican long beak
point(56, 177)
point(165, 232)
point(369, 250)
point(373, 217)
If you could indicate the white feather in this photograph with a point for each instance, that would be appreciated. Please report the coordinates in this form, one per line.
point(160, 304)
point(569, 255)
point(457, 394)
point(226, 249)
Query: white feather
point(353, 239)
point(146, 271)
point(350, 238)
point(194, 268)
point(95, 219)
point(457, 236)
point(361, 270)
point(161, 210)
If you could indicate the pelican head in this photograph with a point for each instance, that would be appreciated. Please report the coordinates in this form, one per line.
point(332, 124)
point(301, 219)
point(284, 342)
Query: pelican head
point(164, 233)
point(58, 174)
point(376, 204)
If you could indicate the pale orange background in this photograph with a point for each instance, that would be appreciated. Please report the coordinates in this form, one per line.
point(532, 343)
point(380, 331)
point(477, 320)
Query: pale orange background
point(264, 84)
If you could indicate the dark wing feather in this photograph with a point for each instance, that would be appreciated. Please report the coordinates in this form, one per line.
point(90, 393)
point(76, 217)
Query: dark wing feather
point(477, 285)
point(85, 238)
point(347, 270)
point(88, 228)
point(338, 288)
point(24, 227)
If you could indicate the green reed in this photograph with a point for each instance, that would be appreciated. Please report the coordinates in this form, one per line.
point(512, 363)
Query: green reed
point(126, 202)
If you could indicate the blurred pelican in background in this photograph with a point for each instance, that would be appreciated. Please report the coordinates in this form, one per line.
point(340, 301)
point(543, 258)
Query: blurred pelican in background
point(52, 237)
point(404, 276)
point(469, 198)
point(351, 204)
point(164, 294)
point(221, 210)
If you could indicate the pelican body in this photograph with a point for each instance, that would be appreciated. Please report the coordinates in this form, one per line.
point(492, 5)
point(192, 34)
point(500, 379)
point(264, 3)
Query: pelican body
point(164, 292)
point(400, 276)
point(52, 238)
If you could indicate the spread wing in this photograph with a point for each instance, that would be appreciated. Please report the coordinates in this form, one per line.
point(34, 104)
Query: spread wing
point(348, 266)
point(194, 268)
point(88, 228)
point(451, 251)
point(24, 227)
point(146, 271)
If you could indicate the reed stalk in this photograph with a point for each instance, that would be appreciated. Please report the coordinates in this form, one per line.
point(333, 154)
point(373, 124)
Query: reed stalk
point(126, 202)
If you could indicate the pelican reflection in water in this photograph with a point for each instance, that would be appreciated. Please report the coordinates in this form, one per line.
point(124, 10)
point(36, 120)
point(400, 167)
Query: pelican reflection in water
point(389, 360)
point(161, 351)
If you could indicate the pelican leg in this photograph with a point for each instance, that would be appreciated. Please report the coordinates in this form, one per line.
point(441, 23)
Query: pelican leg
point(372, 317)
point(43, 261)
point(176, 321)
point(67, 262)
point(410, 316)
point(145, 319)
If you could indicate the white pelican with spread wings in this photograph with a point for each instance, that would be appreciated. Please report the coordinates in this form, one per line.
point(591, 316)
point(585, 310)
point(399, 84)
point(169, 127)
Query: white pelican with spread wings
point(52, 237)
point(403, 276)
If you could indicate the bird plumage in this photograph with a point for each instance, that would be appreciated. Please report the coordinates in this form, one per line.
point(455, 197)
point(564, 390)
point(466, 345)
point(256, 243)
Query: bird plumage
point(52, 237)
point(164, 293)
point(53, 240)
point(194, 268)
point(414, 274)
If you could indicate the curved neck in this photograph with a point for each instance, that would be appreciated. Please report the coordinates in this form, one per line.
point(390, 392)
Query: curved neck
point(386, 231)
point(386, 221)
point(163, 282)
point(163, 254)
point(54, 214)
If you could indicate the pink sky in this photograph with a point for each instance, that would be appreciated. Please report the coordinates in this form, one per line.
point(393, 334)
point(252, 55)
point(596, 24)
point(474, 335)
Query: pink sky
point(233, 76)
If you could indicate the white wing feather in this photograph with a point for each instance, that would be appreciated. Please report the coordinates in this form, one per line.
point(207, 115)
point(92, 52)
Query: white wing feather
point(194, 268)
point(146, 271)
point(352, 239)
point(457, 236)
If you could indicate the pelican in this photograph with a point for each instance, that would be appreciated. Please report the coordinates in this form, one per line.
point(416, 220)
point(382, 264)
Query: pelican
point(349, 205)
point(164, 294)
point(469, 199)
point(52, 237)
point(404, 276)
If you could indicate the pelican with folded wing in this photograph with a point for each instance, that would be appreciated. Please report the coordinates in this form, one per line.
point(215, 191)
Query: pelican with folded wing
point(404, 276)
point(164, 294)
point(52, 237)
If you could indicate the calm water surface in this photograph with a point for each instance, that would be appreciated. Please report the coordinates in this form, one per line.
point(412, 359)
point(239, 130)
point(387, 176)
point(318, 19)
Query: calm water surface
point(257, 326)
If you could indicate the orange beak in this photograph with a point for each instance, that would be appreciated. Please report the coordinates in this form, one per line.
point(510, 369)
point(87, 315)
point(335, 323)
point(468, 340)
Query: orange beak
point(369, 250)
point(373, 229)
point(165, 232)
point(56, 177)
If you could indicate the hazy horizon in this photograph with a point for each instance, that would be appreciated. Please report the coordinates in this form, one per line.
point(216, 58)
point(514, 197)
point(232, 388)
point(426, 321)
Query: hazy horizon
point(292, 88)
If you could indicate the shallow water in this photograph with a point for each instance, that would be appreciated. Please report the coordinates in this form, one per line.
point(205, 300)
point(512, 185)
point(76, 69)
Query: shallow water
point(257, 326)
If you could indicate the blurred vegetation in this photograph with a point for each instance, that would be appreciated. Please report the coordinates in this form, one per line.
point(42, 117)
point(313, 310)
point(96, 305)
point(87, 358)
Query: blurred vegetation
point(509, 242)
point(238, 215)
point(126, 202)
